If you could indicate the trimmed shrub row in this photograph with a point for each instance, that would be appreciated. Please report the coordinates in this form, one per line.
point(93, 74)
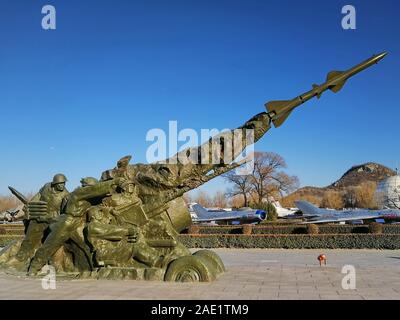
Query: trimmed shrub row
point(299, 241)
point(294, 229)
point(376, 228)
point(16, 229)
point(321, 241)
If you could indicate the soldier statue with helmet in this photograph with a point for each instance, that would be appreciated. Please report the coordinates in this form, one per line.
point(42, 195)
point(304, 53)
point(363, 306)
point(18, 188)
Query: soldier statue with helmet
point(41, 211)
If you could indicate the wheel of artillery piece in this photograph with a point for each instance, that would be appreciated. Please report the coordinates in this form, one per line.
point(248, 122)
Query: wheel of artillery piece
point(213, 258)
point(190, 269)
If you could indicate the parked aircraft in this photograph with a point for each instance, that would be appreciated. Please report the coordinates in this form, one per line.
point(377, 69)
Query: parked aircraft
point(245, 215)
point(281, 211)
point(12, 215)
point(312, 214)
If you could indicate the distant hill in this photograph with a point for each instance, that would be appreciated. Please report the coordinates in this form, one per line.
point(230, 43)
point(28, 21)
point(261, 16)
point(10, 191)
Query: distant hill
point(355, 176)
point(362, 173)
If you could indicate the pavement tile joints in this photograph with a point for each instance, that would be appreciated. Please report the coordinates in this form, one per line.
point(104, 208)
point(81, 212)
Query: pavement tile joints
point(294, 275)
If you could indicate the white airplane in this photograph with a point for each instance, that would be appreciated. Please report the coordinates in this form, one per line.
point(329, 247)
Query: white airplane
point(281, 211)
point(12, 215)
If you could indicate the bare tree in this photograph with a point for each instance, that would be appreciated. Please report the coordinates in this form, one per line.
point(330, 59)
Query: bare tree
point(286, 184)
point(332, 199)
point(10, 202)
point(187, 197)
point(219, 200)
point(361, 196)
point(267, 180)
point(241, 186)
point(350, 197)
point(203, 199)
point(236, 201)
point(289, 201)
point(365, 195)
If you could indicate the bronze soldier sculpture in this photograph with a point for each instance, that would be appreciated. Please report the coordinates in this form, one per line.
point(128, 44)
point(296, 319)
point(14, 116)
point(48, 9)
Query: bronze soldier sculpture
point(49, 198)
point(126, 225)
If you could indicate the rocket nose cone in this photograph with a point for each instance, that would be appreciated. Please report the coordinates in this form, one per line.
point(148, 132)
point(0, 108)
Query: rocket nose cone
point(380, 56)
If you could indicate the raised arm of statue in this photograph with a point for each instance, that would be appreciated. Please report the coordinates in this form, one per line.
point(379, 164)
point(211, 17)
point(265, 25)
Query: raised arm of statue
point(99, 189)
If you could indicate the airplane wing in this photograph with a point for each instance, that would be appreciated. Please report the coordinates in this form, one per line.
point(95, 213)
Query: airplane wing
point(345, 217)
point(219, 218)
point(228, 216)
point(300, 216)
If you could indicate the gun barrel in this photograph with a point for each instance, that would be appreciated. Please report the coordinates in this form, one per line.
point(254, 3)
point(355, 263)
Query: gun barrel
point(19, 195)
point(278, 111)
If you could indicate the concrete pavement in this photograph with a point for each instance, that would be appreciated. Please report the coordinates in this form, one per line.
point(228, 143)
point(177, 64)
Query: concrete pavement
point(251, 274)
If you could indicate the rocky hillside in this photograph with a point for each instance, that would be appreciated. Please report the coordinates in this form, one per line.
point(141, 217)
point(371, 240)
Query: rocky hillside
point(354, 177)
point(362, 173)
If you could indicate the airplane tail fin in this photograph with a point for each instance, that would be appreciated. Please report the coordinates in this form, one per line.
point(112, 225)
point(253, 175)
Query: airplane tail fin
point(276, 204)
point(201, 212)
point(307, 208)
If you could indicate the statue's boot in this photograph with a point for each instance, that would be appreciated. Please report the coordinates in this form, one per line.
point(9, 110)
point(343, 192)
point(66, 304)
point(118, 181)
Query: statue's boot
point(35, 266)
point(17, 264)
point(61, 231)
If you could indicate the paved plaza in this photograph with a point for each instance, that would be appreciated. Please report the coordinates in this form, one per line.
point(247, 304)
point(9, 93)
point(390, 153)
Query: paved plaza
point(251, 274)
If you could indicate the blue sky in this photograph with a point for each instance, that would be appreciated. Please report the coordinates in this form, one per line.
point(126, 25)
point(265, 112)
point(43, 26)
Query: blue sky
point(78, 98)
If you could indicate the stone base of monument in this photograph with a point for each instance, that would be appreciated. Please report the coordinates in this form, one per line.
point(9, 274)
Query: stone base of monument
point(202, 266)
point(125, 273)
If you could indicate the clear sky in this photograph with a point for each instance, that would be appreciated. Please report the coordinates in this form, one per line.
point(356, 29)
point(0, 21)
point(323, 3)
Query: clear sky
point(78, 98)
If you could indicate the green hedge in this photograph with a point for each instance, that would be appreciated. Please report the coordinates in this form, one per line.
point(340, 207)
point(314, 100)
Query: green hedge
point(221, 230)
point(298, 229)
point(321, 241)
point(299, 241)
point(18, 229)
point(323, 229)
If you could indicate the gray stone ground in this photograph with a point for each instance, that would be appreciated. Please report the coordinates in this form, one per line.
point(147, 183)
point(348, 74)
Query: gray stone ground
point(251, 274)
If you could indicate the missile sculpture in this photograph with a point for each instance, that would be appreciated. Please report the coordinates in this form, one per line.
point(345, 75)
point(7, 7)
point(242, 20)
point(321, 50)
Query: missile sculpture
point(279, 110)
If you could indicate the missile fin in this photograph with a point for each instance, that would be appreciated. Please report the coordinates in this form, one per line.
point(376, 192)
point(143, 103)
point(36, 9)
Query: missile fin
point(278, 122)
point(317, 89)
point(337, 87)
point(274, 108)
point(276, 105)
point(333, 74)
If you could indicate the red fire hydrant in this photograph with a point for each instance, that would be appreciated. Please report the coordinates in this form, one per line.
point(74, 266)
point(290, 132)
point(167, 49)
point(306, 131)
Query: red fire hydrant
point(322, 259)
